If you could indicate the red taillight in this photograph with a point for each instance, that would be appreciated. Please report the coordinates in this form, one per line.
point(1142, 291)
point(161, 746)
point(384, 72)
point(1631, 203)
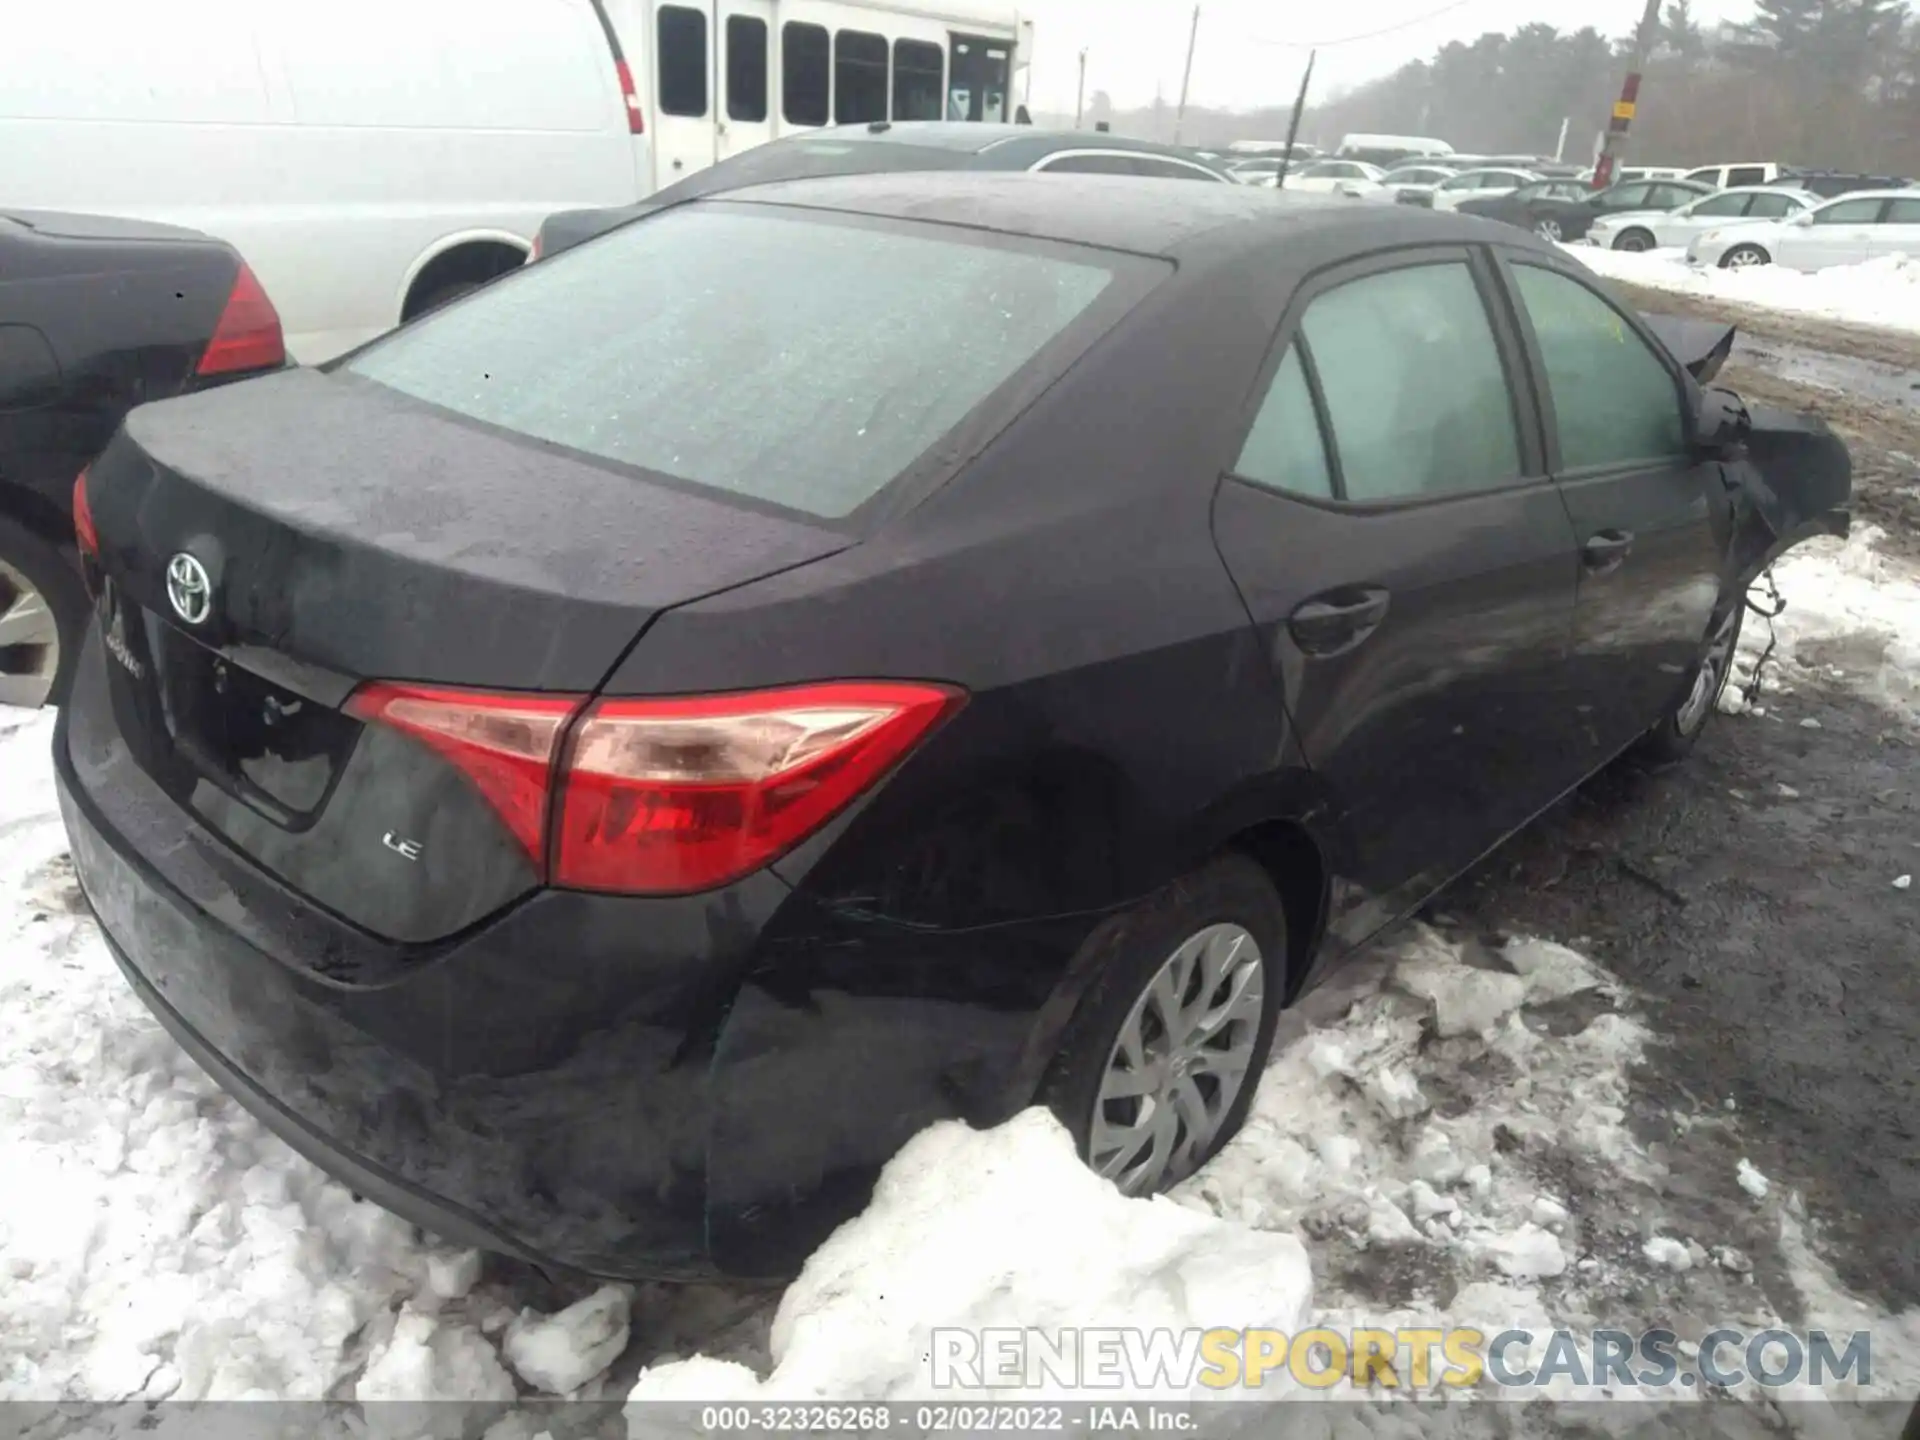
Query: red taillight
point(504, 743)
point(636, 119)
point(666, 797)
point(673, 796)
point(248, 336)
point(83, 531)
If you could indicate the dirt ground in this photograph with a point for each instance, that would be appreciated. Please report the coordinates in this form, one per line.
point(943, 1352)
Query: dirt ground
point(1748, 891)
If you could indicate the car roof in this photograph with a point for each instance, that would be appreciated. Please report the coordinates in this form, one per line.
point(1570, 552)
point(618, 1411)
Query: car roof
point(1164, 218)
point(1896, 192)
point(976, 137)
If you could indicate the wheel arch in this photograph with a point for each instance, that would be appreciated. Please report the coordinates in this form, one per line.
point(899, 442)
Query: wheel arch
point(1281, 823)
point(480, 254)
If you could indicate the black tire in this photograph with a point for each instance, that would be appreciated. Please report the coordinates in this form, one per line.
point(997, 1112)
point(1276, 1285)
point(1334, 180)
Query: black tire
point(1635, 240)
point(56, 577)
point(445, 295)
point(1749, 254)
point(1673, 739)
point(1130, 949)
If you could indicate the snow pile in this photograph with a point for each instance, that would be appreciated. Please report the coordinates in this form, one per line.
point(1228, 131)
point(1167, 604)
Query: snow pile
point(999, 1229)
point(1883, 292)
point(155, 1241)
point(1850, 609)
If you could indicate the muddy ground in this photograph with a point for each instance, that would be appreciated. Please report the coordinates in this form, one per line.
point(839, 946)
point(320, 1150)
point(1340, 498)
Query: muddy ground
point(1748, 893)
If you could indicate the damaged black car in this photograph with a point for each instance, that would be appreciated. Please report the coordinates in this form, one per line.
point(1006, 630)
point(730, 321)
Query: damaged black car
point(600, 767)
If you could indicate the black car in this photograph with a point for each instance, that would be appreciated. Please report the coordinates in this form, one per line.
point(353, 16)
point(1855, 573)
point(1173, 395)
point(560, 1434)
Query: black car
point(897, 147)
point(1565, 209)
point(1830, 184)
point(600, 767)
point(97, 315)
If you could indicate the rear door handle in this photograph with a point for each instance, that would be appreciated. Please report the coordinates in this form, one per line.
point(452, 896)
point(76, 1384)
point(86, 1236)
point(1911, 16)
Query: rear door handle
point(1607, 551)
point(1337, 620)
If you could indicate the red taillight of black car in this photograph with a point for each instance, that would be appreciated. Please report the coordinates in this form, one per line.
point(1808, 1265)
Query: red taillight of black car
point(248, 335)
point(84, 533)
point(666, 796)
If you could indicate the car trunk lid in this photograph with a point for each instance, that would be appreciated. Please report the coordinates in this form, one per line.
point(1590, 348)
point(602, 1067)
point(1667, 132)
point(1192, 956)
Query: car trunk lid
point(268, 548)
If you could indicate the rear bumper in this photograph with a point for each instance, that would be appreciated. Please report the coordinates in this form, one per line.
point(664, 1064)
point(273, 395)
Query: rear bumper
point(636, 1088)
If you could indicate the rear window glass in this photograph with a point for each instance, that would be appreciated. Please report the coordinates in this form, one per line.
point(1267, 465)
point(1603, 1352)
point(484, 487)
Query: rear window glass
point(800, 362)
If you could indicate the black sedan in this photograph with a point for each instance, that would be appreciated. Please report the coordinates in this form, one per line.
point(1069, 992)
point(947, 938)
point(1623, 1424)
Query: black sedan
point(600, 767)
point(1564, 209)
point(896, 147)
point(96, 316)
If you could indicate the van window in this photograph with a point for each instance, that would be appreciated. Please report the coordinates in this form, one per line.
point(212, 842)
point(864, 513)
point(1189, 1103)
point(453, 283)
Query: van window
point(746, 68)
point(793, 359)
point(141, 63)
point(429, 72)
point(683, 60)
point(859, 77)
point(919, 72)
point(803, 73)
point(1746, 175)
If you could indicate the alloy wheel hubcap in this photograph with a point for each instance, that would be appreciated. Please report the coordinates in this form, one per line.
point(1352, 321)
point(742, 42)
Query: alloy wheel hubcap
point(29, 641)
point(1710, 679)
point(1741, 259)
point(1179, 1062)
point(1548, 229)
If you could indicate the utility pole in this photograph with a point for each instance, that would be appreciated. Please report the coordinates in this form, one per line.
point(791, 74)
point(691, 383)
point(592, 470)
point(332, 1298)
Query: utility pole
point(1180, 115)
point(1615, 143)
point(1560, 145)
point(1080, 101)
point(1293, 125)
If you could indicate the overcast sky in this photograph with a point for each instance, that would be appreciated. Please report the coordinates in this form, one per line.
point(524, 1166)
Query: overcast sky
point(1251, 52)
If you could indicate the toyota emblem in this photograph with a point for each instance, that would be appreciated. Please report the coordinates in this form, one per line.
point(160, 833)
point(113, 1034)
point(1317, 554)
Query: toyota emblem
point(189, 588)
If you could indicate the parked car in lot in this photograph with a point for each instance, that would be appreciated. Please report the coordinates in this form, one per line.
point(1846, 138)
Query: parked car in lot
point(601, 766)
point(1412, 184)
point(1725, 177)
point(883, 148)
point(1563, 210)
point(1831, 184)
point(1648, 229)
point(373, 160)
point(97, 315)
point(1334, 177)
point(1846, 231)
point(1481, 184)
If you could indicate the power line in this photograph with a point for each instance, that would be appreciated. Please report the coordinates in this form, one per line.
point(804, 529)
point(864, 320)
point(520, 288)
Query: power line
point(1366, 35)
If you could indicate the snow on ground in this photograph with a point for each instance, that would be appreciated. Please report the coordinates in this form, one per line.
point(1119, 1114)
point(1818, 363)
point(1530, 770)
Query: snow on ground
point(1883, 292)
point(1852, 610)
point(1447, 1135)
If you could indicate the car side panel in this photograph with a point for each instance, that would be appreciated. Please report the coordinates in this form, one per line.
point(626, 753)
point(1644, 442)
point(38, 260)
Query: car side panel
point(121, 321)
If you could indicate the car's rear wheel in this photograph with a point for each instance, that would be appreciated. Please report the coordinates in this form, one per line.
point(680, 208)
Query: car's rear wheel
point(1742, 256)
point(1160, 1062)
point(1634, 240)
point(1680, 728)
point(1547, 228)
point(43, 611)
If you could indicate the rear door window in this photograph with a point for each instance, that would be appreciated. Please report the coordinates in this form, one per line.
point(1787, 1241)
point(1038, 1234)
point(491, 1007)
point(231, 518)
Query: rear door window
point(1722, 205)
point(789, 359)
point(683, 60)
point(1774, 207)
point(1413, 384)
point(1164, 169)
point(1849, 212)
point(1105, 163)
point(1903, 212)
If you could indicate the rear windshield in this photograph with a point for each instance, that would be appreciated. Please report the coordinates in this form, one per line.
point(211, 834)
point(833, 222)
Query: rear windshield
point(797, 361)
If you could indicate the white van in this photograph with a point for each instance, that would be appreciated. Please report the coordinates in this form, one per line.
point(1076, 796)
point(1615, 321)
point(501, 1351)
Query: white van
point(369, 158)
point(372, 158)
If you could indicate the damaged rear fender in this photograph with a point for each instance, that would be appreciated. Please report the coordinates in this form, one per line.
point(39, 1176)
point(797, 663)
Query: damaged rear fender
point(1790, 478)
